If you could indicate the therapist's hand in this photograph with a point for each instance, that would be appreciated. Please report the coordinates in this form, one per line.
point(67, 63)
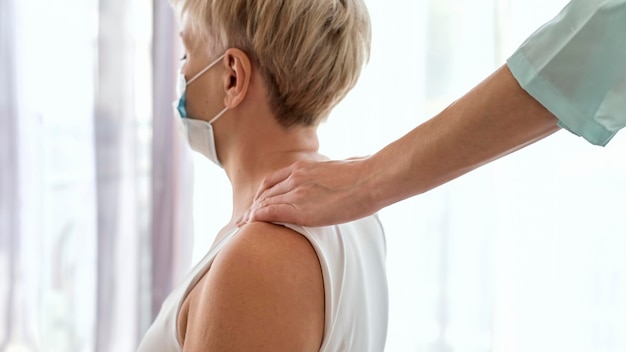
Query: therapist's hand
point(314, 193)
point(494, 119)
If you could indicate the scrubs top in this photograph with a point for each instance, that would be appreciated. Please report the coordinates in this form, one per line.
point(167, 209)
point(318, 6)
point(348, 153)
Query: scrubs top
point(575, 66)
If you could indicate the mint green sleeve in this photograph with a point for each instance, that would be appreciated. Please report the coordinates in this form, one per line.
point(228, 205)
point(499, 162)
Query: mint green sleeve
point(575, 66)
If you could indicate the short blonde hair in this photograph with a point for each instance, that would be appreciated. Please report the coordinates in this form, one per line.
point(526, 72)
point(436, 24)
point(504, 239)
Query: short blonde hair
point(310, 52)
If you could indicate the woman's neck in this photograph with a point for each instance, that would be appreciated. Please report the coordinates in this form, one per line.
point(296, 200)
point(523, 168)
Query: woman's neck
point(252, 161)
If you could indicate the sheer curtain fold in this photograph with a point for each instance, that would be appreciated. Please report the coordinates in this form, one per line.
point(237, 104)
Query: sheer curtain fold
point(76, 256)
point(163, 175)
point(115, 150)
point(9, 178)
point(172, 224)
point(140, 258)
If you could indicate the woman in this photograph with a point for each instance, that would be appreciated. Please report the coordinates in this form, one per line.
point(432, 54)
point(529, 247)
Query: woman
point(258, 77)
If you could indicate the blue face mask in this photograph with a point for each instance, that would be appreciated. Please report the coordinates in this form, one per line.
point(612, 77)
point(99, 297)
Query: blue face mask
point(199, 133)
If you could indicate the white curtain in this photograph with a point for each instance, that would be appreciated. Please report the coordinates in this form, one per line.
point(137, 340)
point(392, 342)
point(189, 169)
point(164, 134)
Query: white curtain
point(92, 215)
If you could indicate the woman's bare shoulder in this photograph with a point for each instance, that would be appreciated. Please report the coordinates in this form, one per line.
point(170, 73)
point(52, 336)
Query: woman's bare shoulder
point(264, 292)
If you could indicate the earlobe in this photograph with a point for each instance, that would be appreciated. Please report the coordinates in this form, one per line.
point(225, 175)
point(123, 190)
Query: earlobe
point(237, 79)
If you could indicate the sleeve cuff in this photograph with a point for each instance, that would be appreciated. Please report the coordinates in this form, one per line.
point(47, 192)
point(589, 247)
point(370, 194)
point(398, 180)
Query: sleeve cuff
point(569, 117)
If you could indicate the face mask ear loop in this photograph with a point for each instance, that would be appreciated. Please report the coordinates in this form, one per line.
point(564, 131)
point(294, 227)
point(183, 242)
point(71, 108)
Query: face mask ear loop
point(218, 115)
point(205, 69)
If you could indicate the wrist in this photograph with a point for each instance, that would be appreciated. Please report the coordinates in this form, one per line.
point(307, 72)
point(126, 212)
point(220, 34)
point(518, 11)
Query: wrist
point(396, 173)
point(373, 183)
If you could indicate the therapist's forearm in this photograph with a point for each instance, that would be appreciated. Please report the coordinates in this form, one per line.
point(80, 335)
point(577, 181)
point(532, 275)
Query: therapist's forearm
point(494, 119)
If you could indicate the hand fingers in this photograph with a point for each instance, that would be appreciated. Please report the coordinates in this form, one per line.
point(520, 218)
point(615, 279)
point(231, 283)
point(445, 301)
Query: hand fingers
point(275, 213)
point(272, 209)
point(262, 202)
point(244, 218)
point(279, 193)
point(272, 180)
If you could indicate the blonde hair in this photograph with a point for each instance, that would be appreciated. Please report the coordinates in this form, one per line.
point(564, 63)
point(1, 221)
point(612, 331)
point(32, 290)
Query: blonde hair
point(310, 52)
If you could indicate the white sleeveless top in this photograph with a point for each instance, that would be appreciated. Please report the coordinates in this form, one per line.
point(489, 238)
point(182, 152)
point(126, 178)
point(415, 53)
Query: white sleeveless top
point(352, 258)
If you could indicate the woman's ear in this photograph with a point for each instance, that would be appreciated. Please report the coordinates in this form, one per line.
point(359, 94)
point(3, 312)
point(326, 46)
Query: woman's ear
point(237, 78)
